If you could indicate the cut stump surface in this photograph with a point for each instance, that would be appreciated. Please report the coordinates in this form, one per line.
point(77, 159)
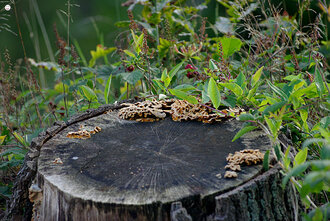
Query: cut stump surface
point(133, 170)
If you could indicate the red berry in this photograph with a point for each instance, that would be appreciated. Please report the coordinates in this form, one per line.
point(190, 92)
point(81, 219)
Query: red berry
point(189, 66)
point(130, 68)
point(190, 74)
point(62, 111)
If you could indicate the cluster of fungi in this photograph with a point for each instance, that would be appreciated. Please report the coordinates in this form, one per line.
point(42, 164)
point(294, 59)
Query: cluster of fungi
point(83, 133)
point(179, 110)
point(247, 157)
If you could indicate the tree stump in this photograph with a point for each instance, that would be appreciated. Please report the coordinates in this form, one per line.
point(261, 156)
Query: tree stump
point(162, 170)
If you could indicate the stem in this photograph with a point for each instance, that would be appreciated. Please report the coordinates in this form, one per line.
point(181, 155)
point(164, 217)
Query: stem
point(64, 94)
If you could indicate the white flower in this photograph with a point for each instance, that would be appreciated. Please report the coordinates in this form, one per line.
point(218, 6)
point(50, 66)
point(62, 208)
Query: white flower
point(7, 7)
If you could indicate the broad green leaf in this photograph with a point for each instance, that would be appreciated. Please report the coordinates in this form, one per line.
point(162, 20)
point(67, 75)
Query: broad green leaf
point(243, 131)
point(185, 87)
point(245, 117)
point(196, 58)
point(224, 25)
point(107, 90)
point(205, 96)
point(183, 95)
point(319, 82)
point(274, 107)
point(132, 77)
point(175, 70)
point(240, 79)
point(88, 93)
point(278, 91)
point(214, 93)
point(300, 157)
point(256, 76)
point(230, 45)
point(234, 88)
point(266, 161)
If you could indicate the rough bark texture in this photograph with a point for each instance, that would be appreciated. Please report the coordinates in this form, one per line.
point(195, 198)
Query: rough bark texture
point(262, 198)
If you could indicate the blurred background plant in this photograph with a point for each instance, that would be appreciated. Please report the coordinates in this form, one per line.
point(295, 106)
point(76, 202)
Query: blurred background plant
point(269, 57)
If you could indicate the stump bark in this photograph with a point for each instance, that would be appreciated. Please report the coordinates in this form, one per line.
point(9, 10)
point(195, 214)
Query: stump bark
point(146, 171)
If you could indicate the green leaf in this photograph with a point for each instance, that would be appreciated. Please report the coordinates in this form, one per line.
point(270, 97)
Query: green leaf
point(164, 75)
point(185, 87)
point(107, 90)
point(214, 93)
point(230, 45)
point(183, 95)
point(300, 157)
point(295, 172)
point(163, 47)
point(319, 82)
point(277, 152)
point(252, 92)
point(20, 138)
point(243, 131)
point(213, 66)
point(257, 76)
point(175, 70)
point(2, 139)
point(88, 93)
point(167, 81)
point(205, 96)
point(234, 88)
point(132, 77)
point(129, 53)
point(245, 117)
point(274, 107)
point(273, 125)
point(159, 84)
point(266, 161)
point(286, 159)
point(224, 25)
point(240, 79)
point(278, 91)
point(100, 52)
point(196, 58)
